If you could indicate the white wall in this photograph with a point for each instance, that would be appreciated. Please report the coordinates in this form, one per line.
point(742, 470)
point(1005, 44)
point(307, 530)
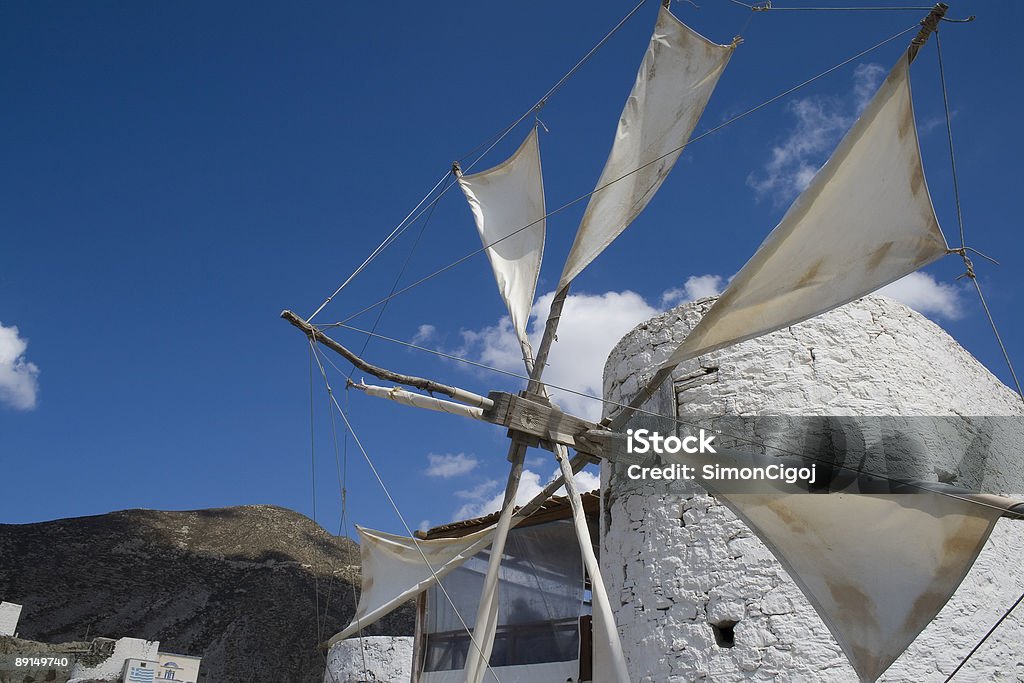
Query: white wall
point(185, 668)
point(388, 659)
point(676, 561)
point(111, 668)
point(9, 615)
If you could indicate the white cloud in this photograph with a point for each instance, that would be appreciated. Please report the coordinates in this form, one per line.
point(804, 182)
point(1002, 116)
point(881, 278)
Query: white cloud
point(18, 377)
point(529, 486)
point(537, 461)
point(931, 123)
point(423, 334)
point(587, 481)
point(866, 79)
point(925, 295)
point(821, 122)
point(695, 287)
point(591, 325)
point(478, 492)
point(450, 465)
point(424, 525)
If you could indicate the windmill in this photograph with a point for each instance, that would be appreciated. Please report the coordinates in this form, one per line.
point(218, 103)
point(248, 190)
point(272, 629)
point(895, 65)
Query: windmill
point(864, 221)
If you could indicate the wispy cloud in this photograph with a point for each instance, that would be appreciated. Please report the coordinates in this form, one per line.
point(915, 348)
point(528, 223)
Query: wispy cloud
point(695, 287)
point(424, 334)
point(478, 492)
point(820, 123)
point(450, 465)
point(19, 378)
point(934, 122)
point(537, 461)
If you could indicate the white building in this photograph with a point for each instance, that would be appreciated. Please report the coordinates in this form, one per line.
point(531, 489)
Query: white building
point(113, 668)
point(178, 668)
point(9, 615)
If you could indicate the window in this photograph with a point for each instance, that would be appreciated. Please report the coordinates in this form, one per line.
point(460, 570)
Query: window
point(541, 588)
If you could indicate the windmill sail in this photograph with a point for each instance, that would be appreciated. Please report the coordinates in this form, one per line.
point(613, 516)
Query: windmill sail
point(394, 570)
point(865, 220)
point(508, 206)
point(876, 568)
point(673, 85)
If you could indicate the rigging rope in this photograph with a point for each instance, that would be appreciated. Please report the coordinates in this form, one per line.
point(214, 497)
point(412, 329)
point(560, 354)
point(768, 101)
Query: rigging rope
point(579, 199)
point(973, 277)
point(767, 6)
point(394, 505)
point(984, 638)
point(401, 272)
point(381, 247)
point(554, 89)
point(312, 468)
point(413, 215)
point(343, 531)
point(960, 220)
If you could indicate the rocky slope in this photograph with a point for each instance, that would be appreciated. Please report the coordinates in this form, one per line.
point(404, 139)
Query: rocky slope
point(242, 586)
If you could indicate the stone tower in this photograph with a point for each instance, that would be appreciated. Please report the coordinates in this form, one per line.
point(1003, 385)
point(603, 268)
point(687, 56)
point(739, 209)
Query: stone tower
point(699, 597)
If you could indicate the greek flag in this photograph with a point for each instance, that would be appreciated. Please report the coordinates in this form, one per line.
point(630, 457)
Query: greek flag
point(137, 674)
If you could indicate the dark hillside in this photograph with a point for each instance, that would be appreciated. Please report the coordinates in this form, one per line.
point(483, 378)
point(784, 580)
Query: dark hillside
point(237, 586)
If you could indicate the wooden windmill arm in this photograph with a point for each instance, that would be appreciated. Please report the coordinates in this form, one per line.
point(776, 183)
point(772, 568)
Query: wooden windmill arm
point(428, 385)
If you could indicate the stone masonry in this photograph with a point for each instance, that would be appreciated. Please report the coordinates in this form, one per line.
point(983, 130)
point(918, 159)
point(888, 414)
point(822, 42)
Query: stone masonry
point(699, 597)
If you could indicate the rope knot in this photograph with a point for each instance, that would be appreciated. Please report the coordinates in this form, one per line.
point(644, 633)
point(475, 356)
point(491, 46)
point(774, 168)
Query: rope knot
point(968, 264)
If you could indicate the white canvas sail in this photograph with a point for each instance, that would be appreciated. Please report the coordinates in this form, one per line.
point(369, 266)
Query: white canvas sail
point(865, 220)
point(505, 200)
point(394, 571)
point(675, 81)
point(876, 568)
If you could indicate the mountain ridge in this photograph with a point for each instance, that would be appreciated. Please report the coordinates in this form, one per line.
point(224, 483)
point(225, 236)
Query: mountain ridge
point(252, 589)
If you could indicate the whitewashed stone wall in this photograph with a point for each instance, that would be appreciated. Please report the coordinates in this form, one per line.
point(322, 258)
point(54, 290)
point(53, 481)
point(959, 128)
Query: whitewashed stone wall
point(111, 668)
point(9, 615)
point(679, 562)
point(380, 659)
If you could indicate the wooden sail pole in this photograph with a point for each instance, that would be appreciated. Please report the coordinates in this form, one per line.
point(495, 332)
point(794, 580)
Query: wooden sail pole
point(486, 617)
point(460, 395)
point(415, 400)
point(529, 417)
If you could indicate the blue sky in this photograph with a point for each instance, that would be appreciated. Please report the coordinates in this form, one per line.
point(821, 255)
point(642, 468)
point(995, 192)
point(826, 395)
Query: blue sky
point(176, 174)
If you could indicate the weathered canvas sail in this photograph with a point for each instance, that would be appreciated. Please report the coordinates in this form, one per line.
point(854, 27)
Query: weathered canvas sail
point(877, 568)
point(865, 220)
point(504, 200)
point(675, 81)
point(394, 571)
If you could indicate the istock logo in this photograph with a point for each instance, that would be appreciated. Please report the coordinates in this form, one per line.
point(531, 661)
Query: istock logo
point(642, 441)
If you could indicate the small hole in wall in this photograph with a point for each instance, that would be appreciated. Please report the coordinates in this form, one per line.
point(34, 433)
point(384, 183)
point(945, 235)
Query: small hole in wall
point(724, 633)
